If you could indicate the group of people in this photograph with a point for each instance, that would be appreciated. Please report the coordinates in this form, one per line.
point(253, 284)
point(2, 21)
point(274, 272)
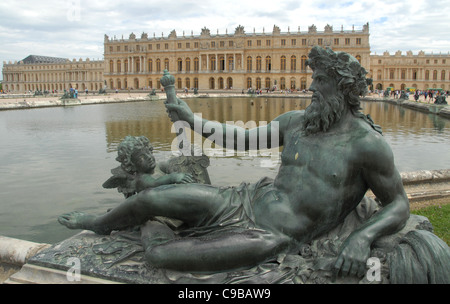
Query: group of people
point(429, 94)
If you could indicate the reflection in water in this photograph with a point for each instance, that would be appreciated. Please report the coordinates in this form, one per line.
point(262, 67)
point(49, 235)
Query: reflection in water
point(55, 160)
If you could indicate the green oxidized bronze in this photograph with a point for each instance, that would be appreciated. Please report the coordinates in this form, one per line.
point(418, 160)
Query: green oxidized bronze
point(312, 223)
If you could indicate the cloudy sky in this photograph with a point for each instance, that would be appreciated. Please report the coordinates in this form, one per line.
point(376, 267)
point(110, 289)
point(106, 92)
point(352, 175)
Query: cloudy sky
point(76, 28)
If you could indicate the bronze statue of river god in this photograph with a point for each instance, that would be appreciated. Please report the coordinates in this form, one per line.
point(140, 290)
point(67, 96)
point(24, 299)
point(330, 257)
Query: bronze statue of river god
point(310, 224)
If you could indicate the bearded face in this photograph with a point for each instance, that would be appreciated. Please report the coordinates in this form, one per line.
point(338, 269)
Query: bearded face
point(323, 112)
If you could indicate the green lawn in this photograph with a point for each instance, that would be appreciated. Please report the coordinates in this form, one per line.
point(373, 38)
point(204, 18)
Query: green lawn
point(439, 217)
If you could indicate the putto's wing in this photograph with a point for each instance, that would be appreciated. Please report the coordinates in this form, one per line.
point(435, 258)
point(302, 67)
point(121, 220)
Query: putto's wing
point(120, 179)
point(115, 182)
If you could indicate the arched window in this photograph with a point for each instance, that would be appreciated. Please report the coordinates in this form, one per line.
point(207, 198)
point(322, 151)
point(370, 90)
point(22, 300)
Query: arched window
point(258, 83)
point(283, 63)
point(150, 65)
point(230, 63)
point(303, 63)
point(196, 64)
point(158, 65)
point(268, 64)
point(267, 84)
point(188, 65)
point(282, 83)
point(166, 64)
point(258, 64)
point(249, 63)
point(138, 65)
point(111, 66)
point(212, 65)
point(293, 63)
point(249, 83)
point(179, 65)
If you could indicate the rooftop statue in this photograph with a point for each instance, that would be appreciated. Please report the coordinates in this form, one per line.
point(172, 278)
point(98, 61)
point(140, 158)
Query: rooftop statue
point(332, 154)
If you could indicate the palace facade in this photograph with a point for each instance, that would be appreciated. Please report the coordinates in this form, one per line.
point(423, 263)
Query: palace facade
point(43, 73)
point(238, 60)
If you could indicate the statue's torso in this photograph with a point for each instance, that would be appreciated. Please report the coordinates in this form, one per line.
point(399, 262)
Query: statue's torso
point(319, 182)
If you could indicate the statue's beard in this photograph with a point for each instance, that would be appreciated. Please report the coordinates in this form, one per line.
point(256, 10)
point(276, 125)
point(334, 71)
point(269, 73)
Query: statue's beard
point(322, 113)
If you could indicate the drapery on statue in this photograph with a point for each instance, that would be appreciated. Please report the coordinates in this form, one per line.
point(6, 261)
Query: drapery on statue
point(332, 155)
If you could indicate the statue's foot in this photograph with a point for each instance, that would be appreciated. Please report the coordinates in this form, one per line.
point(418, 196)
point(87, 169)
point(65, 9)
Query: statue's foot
point(80, 220)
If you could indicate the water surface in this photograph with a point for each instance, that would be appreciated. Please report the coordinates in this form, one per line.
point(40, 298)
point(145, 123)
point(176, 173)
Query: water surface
point(54, 160)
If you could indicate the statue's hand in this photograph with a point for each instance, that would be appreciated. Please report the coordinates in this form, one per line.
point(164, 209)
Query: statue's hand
point(182, 178)
point(353, 256)
point(181, 109)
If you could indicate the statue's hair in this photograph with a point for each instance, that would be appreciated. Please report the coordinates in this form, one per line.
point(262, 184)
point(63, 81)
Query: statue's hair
point(127, 147)
point(350, 75)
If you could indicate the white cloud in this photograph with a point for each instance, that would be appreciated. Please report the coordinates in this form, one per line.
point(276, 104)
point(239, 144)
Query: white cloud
point(75, 28)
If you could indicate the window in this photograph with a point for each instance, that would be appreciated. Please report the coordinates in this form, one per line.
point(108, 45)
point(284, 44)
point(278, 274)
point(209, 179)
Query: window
point(158, 65)
point(188, 65)
point(258, 42)
point(303, 41)
point(267, 42)
point(320, 41)
point(166, 46)
point(336, 41)
point(303, 63)
point(358, 41)
point(179, 65)
point(258, 63)
point(293, 63)
point(268, 63)
point(293, 41)
point(283, 63)
point(150, 46)
point(249, 43)
point(249, 63)
point(166, 64)
point(283, 42)
point(391, 74)
point(150, 65)
point(196, 64)
point(188, 45)
point(230, 43)
point(213, 44)
point(222, 43)
point(196, 45)
point(179, 45)
point(347, 41)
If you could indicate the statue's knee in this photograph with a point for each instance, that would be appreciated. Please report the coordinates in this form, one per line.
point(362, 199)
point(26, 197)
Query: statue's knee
point(156, 257)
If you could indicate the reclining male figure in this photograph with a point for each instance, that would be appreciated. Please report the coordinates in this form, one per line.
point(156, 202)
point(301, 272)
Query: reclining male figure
point(332, 154)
